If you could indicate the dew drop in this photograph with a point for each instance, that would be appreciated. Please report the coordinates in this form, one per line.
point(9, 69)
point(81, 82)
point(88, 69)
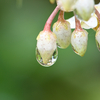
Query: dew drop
point(51, 61)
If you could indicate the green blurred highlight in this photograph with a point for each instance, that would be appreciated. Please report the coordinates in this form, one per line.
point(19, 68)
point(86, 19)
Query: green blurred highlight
point(52, 1)
point(19, 3)
point(21, 77)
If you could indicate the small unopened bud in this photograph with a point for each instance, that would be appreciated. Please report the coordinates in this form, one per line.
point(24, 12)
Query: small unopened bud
point(46, 46)
point(84, 9)
point(66, 5)
point(63, 31)
point(79, 41)
point(97, 37)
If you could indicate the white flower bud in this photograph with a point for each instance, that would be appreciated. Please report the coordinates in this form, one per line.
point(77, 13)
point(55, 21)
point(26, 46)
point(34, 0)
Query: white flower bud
point(66, 5)
point(97, 37)
point(79, 40)
point(63, 32)
point(84, 9)
point(46, 45)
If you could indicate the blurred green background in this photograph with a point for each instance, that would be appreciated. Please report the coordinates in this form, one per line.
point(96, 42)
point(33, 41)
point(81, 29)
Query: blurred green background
point(21, 77)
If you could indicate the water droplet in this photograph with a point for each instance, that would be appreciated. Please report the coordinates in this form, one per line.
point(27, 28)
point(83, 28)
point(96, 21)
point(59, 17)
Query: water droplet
point(51, 61)
point(98, 45)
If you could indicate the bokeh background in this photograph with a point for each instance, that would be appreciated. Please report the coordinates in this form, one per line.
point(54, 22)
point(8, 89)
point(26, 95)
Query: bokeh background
point(21, 77)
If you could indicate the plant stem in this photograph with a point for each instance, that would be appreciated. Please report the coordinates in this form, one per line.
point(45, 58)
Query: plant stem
point(50, 19)
point(61, 15)
point(77, 24)
point(98, 14)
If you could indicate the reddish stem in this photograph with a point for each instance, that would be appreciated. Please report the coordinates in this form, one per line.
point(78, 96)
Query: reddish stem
point(77, 24)
point(61, 15)
point(50, 19)
point(98, 14)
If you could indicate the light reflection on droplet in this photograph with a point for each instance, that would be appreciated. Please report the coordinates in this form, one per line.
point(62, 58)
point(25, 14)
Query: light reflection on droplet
point(51, 61)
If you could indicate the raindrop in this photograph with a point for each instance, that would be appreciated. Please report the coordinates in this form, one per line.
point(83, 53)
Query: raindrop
point(51, 61)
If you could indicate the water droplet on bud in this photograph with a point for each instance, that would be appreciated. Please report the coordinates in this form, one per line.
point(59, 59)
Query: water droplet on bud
point(51, 61)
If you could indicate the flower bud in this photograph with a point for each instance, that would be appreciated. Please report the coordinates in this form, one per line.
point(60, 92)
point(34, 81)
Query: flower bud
point(79, 40)
point(84, 9)
point(63, 31)
point(66, 5)
point(46, 46)
point(97, 37)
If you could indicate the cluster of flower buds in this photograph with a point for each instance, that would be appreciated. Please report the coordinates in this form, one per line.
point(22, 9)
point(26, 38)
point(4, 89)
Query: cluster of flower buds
point(86, 17)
